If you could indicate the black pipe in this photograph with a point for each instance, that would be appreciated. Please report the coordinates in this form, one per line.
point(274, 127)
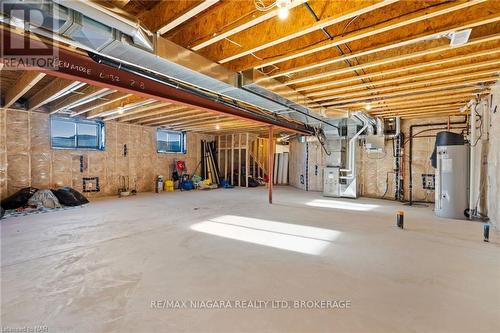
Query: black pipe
point(410, 182)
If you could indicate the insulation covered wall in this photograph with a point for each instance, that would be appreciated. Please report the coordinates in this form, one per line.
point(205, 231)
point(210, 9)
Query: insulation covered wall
point(493, 167)
point(307, 162)
point(27, 159)
point(3, 153)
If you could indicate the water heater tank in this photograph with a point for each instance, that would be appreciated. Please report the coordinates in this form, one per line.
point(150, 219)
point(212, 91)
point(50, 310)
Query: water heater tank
point(452, 175)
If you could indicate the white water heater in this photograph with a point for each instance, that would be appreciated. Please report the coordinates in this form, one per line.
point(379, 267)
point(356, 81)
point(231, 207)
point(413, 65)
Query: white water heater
point(452, 176)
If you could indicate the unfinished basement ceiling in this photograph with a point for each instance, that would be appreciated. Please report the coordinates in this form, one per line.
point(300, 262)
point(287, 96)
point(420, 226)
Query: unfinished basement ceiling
point(393, 56)
point(387, 58)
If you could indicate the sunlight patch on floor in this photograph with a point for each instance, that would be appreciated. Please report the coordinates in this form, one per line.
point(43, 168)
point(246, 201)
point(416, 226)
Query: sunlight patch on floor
point(337, 204)
point(285, 236)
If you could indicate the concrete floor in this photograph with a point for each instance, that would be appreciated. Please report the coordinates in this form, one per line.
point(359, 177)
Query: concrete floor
point(98, 268)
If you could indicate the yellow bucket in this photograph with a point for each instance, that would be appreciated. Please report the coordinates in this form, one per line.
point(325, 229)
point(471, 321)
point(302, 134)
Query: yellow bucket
point(169, 185)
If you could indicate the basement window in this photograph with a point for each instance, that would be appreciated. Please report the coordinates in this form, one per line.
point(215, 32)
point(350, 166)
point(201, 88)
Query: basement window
point(170, 141)
point(73, 133)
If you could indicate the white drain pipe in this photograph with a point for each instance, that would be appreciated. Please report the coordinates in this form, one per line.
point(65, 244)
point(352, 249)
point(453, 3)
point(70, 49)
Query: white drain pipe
point(351, 166)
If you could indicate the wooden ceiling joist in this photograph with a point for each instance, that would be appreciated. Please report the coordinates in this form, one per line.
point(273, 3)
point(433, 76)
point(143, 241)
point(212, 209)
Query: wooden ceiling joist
point(25, 82)
point(202, 119)
point(77, 98)
point(416, 99)
point(385, 47)
point(92, 105)
point(444, 87)
point(359, 8)
point(134, 116)
point(175, 116)
point(418, 66)
point(419, 111)
point(138, 112)
point(186, 15)
point(239, 26)
point(431, 107)
point(432, 84)
point(416, 116)
point(101, 111)
point(50, 92)
point(392, 24)
point(391, 60)
point(234, 126)
point(434, 74)
point(211, 125)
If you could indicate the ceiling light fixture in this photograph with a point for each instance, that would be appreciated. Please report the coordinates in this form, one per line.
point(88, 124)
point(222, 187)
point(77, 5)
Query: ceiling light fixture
point(368, 107)
point(283, 8)
point(217, 127)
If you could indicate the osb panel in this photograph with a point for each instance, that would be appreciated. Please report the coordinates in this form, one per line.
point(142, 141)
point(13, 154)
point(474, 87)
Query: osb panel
point(426, 26)
point(25, 148)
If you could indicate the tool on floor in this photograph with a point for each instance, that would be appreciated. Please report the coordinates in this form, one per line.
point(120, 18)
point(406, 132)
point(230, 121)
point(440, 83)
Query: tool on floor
point(400, 219)
point(486, 233)
point(159, 184)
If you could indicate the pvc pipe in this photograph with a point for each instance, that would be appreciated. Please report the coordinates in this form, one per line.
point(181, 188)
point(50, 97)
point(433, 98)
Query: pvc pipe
point(351, 167)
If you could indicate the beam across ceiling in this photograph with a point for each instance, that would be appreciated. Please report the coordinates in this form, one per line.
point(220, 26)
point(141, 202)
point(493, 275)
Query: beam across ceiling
point(108, 73)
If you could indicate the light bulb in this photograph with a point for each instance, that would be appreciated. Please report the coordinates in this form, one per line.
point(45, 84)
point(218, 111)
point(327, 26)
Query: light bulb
point(283, 13)
point(368, 107)
point(217, 127)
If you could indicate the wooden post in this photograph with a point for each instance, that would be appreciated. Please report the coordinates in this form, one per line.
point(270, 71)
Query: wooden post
point(226, 155)
point(218, 151)
point(270, 165)
point(239, 159)
point(232, 159)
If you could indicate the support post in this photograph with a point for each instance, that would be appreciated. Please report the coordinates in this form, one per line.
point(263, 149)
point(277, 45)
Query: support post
point(270, 165)
point(247, 160)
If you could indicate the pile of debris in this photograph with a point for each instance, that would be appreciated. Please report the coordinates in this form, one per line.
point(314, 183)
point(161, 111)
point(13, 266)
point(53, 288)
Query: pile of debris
point(31, 199)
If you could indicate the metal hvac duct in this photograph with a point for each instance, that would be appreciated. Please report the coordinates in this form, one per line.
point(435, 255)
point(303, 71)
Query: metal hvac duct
point(102, 33)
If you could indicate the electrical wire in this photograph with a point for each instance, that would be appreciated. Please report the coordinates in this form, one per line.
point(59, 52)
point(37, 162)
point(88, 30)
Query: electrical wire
point(480, 119)
point(261, 6)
